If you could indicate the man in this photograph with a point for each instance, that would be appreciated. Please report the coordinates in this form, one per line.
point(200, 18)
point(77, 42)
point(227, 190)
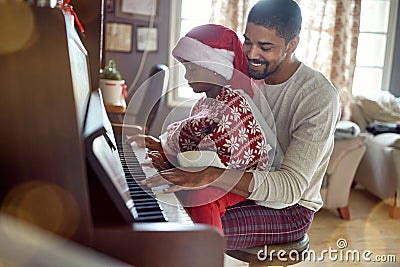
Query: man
point(305, 106)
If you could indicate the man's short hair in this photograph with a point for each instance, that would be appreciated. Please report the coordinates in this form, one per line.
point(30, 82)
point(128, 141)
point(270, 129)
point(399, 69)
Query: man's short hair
point(283, 16)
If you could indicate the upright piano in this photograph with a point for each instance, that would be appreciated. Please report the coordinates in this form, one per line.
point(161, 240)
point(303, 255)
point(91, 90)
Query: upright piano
point(63, 166)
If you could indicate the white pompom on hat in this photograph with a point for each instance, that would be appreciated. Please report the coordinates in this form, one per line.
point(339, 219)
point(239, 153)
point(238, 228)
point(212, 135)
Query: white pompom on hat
point(214, 47)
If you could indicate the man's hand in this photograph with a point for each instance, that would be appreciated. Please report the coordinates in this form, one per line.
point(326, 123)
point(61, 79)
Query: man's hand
point(184, 179)
point(197, 178)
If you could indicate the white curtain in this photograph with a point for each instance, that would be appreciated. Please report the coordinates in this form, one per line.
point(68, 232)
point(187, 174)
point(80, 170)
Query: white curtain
point(329, 38)
point(231, 13)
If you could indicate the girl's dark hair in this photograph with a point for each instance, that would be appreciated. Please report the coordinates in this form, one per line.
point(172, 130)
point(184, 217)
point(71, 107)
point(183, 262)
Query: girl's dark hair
point(283, 16)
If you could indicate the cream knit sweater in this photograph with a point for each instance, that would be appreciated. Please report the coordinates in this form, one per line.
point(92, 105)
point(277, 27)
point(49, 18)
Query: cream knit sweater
point(306, 110)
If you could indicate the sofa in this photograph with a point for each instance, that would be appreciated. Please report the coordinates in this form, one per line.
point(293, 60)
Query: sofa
point(379, 169)
point(364, 159)
point(348, 151)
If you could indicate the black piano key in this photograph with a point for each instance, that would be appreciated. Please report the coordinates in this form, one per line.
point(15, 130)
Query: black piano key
point(147, 207)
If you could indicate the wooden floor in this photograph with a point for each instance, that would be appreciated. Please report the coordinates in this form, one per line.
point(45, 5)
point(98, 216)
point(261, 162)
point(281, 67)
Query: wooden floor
point(370, 228)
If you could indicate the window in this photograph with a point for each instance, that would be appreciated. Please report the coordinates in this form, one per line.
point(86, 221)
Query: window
point(374, 54)
point(192, 14)
point(375, 47)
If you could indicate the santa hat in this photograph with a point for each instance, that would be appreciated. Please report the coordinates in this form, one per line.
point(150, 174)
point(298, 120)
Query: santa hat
point(214, 47)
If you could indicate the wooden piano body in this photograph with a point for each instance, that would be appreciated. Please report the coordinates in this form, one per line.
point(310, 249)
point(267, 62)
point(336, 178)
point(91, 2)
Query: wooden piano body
point(45, 95)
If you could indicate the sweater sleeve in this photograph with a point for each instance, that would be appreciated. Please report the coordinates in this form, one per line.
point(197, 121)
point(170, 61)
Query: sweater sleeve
point(311, 141)
point(170, 138)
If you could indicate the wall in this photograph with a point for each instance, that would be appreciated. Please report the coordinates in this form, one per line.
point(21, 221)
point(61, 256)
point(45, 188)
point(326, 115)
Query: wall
point(128, 63)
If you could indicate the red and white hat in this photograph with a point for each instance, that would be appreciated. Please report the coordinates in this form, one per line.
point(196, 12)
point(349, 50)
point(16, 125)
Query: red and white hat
point(214, 47)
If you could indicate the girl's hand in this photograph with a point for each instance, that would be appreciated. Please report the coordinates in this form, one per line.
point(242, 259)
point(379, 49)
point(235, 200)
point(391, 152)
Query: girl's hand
point(148, 141)
point(158, 161)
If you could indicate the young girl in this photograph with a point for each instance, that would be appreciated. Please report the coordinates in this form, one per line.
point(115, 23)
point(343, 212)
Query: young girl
point(222, 130)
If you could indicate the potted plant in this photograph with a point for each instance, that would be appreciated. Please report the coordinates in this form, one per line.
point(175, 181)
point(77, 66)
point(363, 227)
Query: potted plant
point(112, 85)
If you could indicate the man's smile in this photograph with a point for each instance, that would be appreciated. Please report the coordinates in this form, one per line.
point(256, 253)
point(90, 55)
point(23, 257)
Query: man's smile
point(256, 63)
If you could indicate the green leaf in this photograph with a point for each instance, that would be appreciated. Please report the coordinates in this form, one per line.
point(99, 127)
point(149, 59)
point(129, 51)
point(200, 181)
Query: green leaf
point(110, 72)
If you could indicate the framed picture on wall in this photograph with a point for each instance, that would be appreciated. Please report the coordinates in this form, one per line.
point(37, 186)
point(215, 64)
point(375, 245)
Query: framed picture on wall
point(118, 37)
point(137, 9)
point(146, 39)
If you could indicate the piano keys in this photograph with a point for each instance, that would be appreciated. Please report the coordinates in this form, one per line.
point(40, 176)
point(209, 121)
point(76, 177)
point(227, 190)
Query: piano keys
point(144, 200)
point(171, 240)
point(119, 167)
point(138, 168)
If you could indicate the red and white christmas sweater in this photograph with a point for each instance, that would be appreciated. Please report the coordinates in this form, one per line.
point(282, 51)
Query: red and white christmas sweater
point(225, 126)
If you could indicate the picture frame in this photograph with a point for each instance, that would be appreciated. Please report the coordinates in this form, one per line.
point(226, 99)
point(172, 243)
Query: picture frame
point(146, 39)
point(118, 37)
point(137, 9)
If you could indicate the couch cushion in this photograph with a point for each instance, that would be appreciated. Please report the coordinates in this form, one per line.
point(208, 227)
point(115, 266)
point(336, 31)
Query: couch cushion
point(375, 111)
point(387, 139)
point(341, 148)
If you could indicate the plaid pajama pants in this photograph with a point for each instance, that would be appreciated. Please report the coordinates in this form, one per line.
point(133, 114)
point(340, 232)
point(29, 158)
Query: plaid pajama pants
point(247, 224)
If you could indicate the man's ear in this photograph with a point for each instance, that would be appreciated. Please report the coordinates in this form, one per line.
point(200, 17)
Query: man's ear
point(292, 45)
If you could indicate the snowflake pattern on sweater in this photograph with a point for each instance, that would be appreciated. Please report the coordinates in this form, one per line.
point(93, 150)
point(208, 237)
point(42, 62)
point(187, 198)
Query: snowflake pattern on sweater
point(225, 125)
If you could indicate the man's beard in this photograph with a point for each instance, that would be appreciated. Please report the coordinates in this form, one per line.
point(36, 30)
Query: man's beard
point(259, 75)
